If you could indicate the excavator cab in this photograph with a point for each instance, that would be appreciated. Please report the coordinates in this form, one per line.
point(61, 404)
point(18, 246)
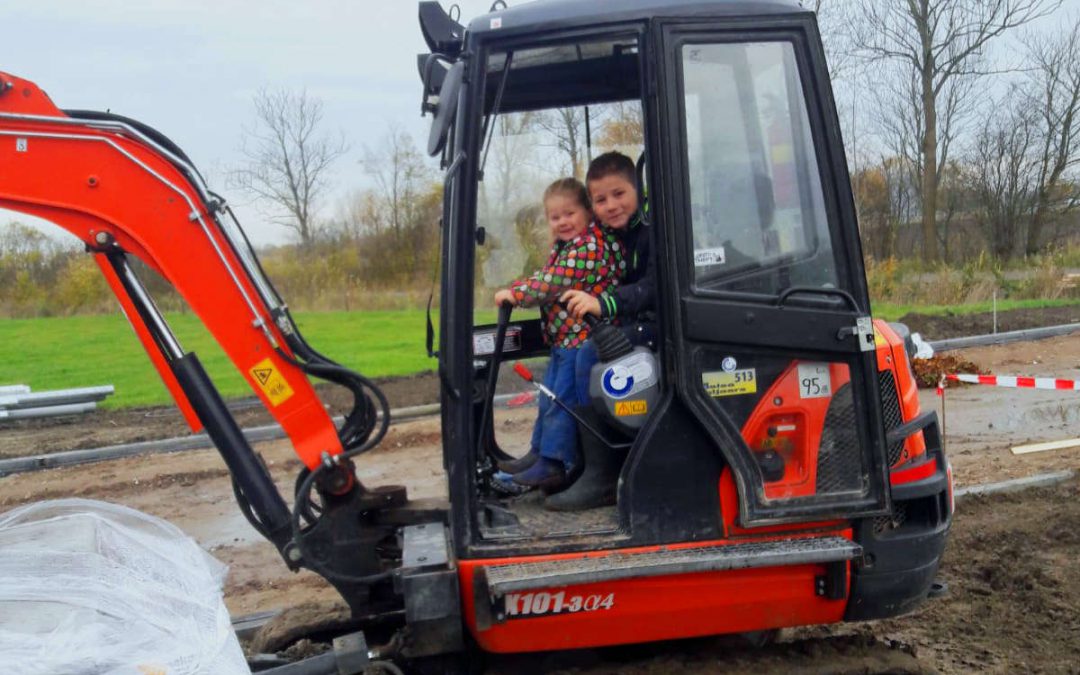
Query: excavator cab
point(774, 468)
point(777, 399)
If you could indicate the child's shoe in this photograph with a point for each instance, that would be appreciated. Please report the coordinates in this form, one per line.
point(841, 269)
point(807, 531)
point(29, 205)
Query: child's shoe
point(519, 464)
point(504, 484)
point(547, 474)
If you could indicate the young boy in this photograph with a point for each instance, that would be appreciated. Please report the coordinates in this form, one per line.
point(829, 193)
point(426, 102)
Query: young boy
point(612, 184)
point(587, 260)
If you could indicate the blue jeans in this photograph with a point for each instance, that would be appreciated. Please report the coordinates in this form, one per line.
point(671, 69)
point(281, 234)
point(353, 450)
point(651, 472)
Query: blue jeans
point(555, 431)
point(586, 359)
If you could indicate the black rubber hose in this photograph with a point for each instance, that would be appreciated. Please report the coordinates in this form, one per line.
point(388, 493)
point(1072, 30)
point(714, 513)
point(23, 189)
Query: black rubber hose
point(356, 432)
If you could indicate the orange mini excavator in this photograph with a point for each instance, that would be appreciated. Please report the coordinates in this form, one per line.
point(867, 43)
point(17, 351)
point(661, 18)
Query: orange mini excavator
point(771, 465)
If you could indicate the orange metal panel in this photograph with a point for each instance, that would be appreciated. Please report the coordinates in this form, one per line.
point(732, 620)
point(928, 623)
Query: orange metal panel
point(892, 356)
point(800, 422)
point(648, 609)
point(86, 179)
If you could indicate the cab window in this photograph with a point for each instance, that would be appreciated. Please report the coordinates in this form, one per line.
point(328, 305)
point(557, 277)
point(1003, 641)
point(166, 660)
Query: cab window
point(756, 206)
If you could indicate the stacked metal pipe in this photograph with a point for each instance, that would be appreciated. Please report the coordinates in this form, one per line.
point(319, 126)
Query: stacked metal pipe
point(18, 402)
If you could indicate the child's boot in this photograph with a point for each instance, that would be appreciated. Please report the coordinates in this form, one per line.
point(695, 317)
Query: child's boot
point(599, 480)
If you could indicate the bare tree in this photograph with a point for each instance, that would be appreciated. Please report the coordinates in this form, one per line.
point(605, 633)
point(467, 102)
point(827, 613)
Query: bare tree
point(401, 176)
point(510, 152)
point(835, 24)
point(623, 126)
point(940, 42)
point(566, 126)
point(288, 159)
point(1054, 92)
point(1002, 174)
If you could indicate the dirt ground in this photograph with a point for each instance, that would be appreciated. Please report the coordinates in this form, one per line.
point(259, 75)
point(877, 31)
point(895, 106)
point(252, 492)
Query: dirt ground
point(961, 325)
point(1011, 561)
point(113, 427)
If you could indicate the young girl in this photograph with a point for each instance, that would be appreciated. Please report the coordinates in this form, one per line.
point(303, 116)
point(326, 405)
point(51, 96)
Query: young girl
point(584, 258)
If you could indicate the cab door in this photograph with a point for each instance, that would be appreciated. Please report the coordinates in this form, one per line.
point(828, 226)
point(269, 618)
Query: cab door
point(771, 323)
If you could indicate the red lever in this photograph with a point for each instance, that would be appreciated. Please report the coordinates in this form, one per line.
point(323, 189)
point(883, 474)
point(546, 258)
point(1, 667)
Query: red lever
point(523, 372)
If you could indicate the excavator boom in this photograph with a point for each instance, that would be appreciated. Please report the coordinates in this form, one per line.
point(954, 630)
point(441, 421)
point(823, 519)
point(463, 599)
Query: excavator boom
point(123, 194)
point(127, 191)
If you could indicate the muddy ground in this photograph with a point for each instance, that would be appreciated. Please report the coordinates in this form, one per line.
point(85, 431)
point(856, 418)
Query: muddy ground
point(961, 325)
point(131, 425)
point(1012, 563)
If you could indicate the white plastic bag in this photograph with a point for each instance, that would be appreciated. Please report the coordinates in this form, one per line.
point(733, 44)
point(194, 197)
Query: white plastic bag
point(923, 349)
point(88, 587)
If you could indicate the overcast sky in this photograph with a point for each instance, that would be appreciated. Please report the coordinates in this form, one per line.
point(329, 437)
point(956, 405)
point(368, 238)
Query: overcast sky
point(189, 69)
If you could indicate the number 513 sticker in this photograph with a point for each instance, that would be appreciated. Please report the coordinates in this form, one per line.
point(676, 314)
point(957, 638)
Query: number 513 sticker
point(815, 381)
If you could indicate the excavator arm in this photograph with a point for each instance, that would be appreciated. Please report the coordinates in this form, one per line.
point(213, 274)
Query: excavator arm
point(127, 191)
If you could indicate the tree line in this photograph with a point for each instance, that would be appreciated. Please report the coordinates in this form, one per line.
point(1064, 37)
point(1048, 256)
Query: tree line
point(960, 124)
point(969, 124)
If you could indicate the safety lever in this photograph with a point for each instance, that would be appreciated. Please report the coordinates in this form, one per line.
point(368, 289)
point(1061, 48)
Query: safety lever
point(524, 373)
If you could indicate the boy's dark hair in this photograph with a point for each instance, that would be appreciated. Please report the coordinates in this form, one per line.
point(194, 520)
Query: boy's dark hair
point(612, 164)
point(569, 186)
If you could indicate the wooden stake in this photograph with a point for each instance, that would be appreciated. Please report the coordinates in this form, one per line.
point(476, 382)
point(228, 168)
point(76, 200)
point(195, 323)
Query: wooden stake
point(1041, 447)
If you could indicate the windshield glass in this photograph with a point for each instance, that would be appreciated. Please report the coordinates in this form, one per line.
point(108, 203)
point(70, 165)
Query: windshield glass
point(757, 211)
point(529, 149)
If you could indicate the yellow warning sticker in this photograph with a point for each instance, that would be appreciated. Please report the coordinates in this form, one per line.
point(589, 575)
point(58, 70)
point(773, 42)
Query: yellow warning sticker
point(631, 408)
point(879, 339)
point(721, 383)
point(271, 382)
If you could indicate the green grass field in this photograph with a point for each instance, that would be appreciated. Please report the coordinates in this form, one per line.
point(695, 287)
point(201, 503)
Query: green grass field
point(83, 351)
point(894, 312)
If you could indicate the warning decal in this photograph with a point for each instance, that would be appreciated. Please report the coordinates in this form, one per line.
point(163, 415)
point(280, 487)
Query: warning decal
point(271, 382)
point(631, 408)
point(719, 383)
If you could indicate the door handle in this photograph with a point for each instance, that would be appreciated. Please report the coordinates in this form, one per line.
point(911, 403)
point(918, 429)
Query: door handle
point(863, 330)
point(815, 290)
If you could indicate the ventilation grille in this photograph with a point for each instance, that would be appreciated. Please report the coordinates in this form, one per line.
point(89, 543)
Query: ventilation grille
point(890, 412)
point(839, 457)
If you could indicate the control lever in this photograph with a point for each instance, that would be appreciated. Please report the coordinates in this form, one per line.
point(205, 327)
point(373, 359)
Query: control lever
point(524, 373)
point(492, 380)
point(610, 342)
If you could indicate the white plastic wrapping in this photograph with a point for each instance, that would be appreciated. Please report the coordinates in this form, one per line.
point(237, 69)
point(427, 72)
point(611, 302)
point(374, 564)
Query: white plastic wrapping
point(923, 349)
point(88, 587)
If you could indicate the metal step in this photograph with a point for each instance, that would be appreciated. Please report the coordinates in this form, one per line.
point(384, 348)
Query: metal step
point(503, 579)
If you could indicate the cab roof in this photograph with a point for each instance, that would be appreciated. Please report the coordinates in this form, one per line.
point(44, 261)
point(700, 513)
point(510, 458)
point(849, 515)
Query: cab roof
point(562, 14)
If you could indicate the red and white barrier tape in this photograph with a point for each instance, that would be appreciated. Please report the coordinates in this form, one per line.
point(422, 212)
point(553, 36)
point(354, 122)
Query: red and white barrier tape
point(1016, 381)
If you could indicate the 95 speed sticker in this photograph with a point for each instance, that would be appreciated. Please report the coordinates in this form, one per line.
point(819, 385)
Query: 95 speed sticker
point(524, 605)
point(815, 380)
point(719, 383)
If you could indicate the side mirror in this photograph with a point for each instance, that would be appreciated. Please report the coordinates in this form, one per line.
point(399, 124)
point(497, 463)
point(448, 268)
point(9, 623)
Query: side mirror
point(445, 109)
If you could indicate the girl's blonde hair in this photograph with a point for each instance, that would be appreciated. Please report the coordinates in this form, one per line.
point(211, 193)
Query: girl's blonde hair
point(569, 186)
